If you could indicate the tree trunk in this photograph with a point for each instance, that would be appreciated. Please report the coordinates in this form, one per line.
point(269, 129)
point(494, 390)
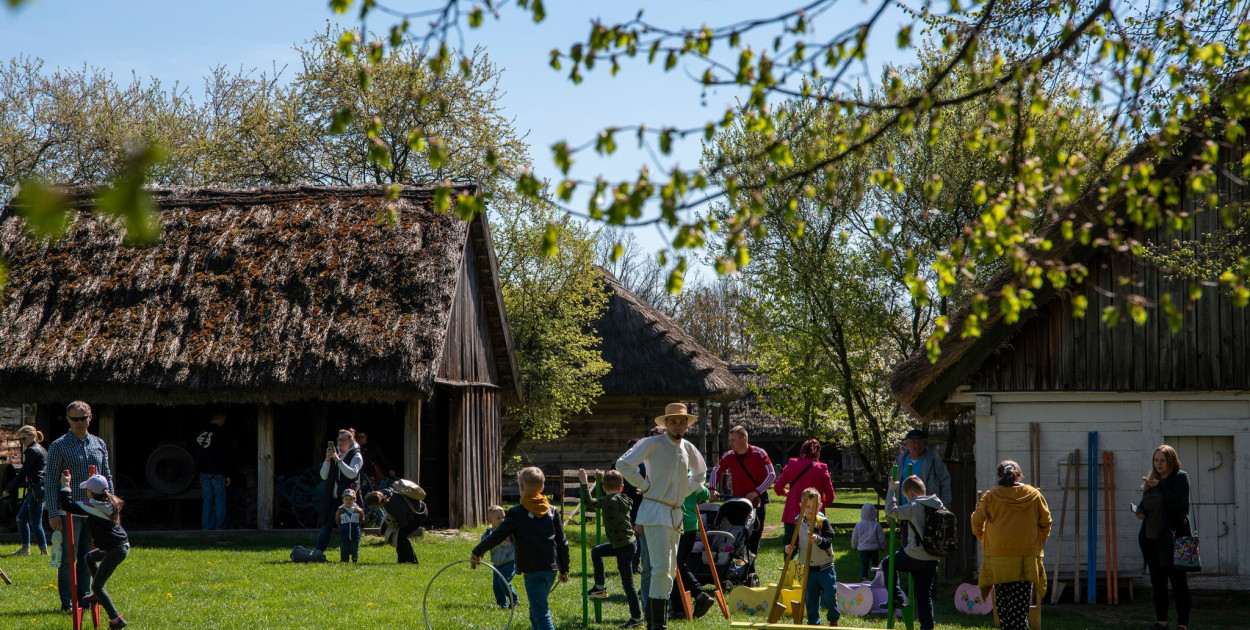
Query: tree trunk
point(510, 445)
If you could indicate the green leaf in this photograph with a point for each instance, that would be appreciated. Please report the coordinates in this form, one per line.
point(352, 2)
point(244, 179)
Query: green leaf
point(342, 118)
point(128, 200)
point(340, 6)
point(45, 208)
point(551, 236)
point(904, 37)
point(437, 155)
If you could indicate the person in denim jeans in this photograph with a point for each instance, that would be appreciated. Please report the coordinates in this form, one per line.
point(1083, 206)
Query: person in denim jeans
point(30, 515)
point(211, 461)
point(102, 510)
point(76, 451)
point(541, 550)
point(503, 558)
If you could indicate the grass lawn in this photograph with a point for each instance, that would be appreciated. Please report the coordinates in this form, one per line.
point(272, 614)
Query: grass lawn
point(202, 582)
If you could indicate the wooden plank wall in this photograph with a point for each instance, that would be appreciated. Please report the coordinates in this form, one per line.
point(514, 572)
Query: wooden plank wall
point(474, 444)
point(264, 467)
point(1054, 351)
point(593, 440)
point(467, 353)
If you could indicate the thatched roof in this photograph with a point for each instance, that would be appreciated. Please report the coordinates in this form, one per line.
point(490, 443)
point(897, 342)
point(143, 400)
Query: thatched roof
point(923, 387)
point(749, 412)
point(652, 356)
point(259, 295)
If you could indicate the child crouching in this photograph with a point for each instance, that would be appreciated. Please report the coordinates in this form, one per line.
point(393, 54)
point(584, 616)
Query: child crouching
point(822, 579)
point(103, 510)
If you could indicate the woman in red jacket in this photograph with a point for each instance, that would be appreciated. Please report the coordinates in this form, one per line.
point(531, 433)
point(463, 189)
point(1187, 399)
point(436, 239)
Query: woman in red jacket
point(802, 472)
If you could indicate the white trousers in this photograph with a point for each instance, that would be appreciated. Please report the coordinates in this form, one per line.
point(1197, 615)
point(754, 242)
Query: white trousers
point(662, 551)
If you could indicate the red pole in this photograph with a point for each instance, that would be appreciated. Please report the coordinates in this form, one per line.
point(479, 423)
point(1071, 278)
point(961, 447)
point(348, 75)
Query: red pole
point(68, 524)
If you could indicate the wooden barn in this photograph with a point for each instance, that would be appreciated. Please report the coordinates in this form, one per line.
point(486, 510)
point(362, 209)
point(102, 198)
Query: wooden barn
point(654, 362)
point(1137, 385)
point(296, 310)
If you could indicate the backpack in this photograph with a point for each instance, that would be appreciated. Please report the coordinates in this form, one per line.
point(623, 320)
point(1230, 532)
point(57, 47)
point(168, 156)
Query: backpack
point(941, 531)
point(408, 489)
point(303, 554)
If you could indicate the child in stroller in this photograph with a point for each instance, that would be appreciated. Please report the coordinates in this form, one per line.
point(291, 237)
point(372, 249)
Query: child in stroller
point(729, 531)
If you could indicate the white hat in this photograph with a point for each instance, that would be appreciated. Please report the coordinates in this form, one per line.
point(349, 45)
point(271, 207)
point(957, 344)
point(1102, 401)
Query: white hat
point(98, 484)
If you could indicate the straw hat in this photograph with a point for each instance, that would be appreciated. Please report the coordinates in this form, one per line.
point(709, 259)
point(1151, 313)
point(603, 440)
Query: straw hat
point(675, 410)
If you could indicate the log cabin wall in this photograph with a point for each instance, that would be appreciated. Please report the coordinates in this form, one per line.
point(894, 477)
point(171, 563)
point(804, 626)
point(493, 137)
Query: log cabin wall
point(474, 455)
point(468, 351)
point(594, 440)
point(1056, 352)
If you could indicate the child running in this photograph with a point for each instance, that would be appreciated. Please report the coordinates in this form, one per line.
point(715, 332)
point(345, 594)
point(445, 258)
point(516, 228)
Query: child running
point(348, 517)
point(913, 558)
point(868, 539)
point(541, 550)
point(503, 558)
point(822, 579)
point(615, 508)
point(103, 510)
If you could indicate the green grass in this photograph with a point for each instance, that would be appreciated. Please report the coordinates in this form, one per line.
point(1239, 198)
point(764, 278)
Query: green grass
point(248, 584)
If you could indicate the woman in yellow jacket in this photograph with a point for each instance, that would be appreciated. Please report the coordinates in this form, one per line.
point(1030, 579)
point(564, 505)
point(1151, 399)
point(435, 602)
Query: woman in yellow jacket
point(1012, 522)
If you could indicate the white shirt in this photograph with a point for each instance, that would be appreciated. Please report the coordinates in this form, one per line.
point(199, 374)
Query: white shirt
point(674, 470)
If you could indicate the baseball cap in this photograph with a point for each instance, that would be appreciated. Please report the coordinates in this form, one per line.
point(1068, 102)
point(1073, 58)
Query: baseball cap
point(98, 484)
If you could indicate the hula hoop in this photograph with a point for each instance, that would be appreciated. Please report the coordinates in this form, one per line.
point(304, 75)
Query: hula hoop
point(425, 599)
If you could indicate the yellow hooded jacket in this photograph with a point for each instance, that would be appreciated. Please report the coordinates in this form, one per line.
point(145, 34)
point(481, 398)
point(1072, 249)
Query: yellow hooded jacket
point(1012, 524)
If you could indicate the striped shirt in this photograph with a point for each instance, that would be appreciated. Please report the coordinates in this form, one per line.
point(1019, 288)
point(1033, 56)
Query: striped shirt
point(70, 453)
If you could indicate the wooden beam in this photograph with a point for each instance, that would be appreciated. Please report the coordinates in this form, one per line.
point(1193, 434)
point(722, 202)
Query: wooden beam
point(107, 416)
point(264, 467)
point(412, 440)
point(704, 427)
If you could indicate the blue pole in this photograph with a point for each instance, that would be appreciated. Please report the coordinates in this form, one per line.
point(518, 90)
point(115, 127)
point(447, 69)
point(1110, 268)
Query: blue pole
point(1091, 561)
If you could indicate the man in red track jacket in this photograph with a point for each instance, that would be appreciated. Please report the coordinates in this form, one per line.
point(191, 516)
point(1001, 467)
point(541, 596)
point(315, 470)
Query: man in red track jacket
point(750, 475)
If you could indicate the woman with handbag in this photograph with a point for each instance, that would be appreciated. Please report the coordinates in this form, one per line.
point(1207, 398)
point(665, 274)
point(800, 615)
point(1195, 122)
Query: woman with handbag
point(1012, 521)
point(805, 471)
point(30, 515)
point(1164, 512)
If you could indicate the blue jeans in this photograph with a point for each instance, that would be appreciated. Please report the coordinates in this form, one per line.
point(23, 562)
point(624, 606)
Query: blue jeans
point(822, 588)
point(868, 558)
point(505, 595)
point(537, 585)
point(625, 565)
point(349, 542)
point(924, 582)
point(30, 523)
point(213, 512)
point(82, 540)
point(645, 583)
point(108, 560)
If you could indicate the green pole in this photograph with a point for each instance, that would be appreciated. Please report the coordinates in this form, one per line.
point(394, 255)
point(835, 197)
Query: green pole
point(909, 611)
point(599, 540)
point(585, 587)
point(889, 578)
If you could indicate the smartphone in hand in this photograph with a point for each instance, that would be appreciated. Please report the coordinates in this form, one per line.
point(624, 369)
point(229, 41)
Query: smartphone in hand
point(1135, 508)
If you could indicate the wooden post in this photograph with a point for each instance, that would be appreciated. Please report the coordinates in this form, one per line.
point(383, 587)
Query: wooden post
point(108, 433)
point(705, 426)
point(412, 440)
point(264, 467)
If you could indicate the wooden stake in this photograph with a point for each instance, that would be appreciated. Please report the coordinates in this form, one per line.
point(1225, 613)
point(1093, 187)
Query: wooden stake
point(1057, 589)
point(776, 610)
point(711, 563)
point(1076, 547)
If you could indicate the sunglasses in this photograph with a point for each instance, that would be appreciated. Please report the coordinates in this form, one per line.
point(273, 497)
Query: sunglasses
point(78, 418)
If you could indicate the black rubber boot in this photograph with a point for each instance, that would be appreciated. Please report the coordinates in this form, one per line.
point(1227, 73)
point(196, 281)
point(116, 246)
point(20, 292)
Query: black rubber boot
point(702, 604)
point(659, 616)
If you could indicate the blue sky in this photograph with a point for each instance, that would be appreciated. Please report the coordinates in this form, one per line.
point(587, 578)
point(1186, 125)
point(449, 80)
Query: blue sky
point(181, 41)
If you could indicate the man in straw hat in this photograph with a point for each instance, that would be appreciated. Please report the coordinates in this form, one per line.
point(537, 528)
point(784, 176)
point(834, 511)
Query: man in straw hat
point(675, 468)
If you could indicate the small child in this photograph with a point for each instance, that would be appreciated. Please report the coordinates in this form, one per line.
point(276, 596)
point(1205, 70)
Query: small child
point(913, 558)
point(103, 510)
point(822, 579)
point(868, 539)
point(503, 558)
point(541, 550)
point(615, 508)
point(348, 517)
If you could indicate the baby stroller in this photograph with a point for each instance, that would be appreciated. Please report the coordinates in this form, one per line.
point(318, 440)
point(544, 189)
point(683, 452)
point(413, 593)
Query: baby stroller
point(729, 531)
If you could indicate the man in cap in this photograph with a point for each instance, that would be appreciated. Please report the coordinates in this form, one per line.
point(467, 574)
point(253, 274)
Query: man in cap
point(675, 468)
point(924, 464)
point(76, 452)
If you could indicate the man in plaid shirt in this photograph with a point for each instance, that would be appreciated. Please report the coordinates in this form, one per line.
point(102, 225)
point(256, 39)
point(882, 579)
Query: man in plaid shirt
point(75, 451)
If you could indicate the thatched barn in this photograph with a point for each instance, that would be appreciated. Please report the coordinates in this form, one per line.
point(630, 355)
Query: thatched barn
point(298, 311)
point(1137, 386)
point(654, 362)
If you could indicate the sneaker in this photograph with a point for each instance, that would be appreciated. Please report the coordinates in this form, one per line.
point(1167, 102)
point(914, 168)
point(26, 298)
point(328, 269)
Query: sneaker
point(634, 623)
point(702, 604)
point(597, 592)
point(24, 551)
point(117, 624)
point(43, 552)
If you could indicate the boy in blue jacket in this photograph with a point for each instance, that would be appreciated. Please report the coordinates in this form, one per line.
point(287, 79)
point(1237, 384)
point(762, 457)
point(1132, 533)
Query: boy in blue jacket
point(542, 553)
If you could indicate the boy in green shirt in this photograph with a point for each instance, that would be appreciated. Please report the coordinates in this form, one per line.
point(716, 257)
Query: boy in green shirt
point(614, 508)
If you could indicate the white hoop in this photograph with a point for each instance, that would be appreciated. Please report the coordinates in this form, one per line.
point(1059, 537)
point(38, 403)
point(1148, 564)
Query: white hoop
point(424, 599)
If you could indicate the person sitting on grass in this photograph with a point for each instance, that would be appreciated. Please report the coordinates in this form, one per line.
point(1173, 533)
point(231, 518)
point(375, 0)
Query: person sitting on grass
point(541, 549)
point(913, 558)
point(615, 508)
point(822, 579)
point(690, 531)
point(503, 558)
point(103, 510)
point(348, 517)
